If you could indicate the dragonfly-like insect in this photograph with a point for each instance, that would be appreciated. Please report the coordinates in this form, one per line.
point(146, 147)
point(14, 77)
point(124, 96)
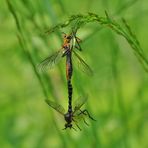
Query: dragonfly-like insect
point(72, 115)
point(70, 42)
point(66, 51)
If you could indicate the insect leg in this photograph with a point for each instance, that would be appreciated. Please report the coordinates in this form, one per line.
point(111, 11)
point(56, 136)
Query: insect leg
point(77, 40)
point(85, 112)
point(77, 124)
point(85, 122)
point(81, 112)
point(73, 128)
point(78, 47)
point(70, 128)
point(64, 128)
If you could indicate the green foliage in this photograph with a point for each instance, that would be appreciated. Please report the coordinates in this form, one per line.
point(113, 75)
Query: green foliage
point(80, 20)
point(117, 91)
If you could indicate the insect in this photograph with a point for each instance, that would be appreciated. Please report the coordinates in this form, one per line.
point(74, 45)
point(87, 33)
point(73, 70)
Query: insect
point(66, 51)
point(72, 116)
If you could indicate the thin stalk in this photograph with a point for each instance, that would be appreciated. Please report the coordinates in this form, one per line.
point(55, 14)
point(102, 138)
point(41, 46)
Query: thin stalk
point(26, 53)
point(107, 22)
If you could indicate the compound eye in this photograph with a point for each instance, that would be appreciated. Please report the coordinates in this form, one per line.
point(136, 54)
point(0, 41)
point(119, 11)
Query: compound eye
point(69, 37)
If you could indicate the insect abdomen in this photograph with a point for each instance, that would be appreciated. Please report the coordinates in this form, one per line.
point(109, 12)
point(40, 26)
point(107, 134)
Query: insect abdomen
point(69, 96)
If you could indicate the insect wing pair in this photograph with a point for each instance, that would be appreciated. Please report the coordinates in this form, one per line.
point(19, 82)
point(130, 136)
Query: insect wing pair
point(54, 59)
point(77, 114)
point(77, 105)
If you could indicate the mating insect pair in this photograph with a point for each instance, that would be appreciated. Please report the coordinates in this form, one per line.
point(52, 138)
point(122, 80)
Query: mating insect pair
point(70, 43)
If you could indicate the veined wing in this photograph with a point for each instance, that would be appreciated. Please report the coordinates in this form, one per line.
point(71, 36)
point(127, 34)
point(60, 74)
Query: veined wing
point(82, 65)
point(56, 106)
point(79, 103)
point(52, 60)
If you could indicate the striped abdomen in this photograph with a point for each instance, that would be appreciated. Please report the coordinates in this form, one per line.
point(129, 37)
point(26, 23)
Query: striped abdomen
point(69, 96)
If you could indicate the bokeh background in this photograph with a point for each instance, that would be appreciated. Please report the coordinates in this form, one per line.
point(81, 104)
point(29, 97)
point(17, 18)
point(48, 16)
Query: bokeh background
point(118, 90)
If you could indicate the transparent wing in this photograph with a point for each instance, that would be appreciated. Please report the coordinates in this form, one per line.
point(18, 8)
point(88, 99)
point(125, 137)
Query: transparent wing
point(52, 60)
point(82, 65)
point(56, 106)
point(79, 103)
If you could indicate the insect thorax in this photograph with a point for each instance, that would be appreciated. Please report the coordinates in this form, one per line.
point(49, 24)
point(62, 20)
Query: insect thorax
point(68, 117)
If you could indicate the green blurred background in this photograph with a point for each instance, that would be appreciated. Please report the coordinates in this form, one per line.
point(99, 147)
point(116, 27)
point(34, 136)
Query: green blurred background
point(118, 91)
